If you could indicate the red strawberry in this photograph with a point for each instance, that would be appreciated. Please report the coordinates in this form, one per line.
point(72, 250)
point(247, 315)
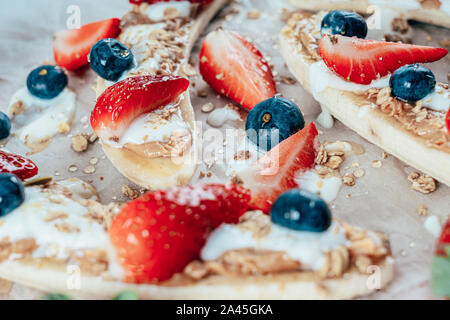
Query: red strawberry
point(71, 47)
point(18, 165)
point(362, 61)
point(447, 120)
point(444, 241)
point(123, 102)
point(235, 68)
point(158, 234)
point(275, 172)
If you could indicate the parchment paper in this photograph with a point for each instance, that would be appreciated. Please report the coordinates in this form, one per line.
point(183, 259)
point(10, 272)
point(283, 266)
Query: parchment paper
point(381, 200)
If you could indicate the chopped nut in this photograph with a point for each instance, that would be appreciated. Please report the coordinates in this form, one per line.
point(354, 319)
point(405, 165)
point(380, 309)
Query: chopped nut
point(359, 173)
point(66, 228)
point(130, 192)
point(288, 80)
point(422, 210)
point(322, 155)
point(384, 155)
point(334, 162)
point(89, 169)
point(80, 142)
point(242, 155)
point(63, 127)
point(202, 93)
point(253, 14)
point(422, 183)
point(208, 107)
point(377, 164)
point(55, 215)
point(362, 263)
point(348, 179)
point(92, 137)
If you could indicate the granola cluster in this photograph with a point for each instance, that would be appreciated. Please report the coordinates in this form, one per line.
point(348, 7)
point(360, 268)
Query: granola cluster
point(365, 248)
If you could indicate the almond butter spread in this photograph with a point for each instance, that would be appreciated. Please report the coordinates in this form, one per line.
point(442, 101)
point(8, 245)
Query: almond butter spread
point(426, 124)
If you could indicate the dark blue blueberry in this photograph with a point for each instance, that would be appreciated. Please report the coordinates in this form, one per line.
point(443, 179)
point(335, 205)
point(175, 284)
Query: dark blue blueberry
point(412, 83)
point(5, 126)
point(345, 23)
point(272, 121)
point(110, 58)
point(12, 193)
point(301, 210)
point(46, 82)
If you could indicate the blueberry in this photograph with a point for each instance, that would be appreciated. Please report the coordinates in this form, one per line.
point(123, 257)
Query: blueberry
point(46, 82)
point(412, 83)
point(5, 126)
point(272, 121)
point(110, 58)
point(12, 193)
point(345, 23)
point(302, 211)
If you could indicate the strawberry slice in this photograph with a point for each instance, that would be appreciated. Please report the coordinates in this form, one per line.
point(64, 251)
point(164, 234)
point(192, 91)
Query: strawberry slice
point(235, 68)
point(276, 171)
point(158, 234)
point(444, 241)
point(22, 167)
point(362, 61)
point(126, 100)
point(71, 47)
point(447, 120)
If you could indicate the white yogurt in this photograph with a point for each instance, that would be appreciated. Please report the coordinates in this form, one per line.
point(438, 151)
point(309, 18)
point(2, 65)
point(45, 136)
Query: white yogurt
point(320, 78)
point(236, 166)
point(29, 221)
point(42, 119)
point(306, 247)
point(156, 11)
point(438, 100)
point(433, 225)
point(326, 188)
point(219, 117)
point(151, 127)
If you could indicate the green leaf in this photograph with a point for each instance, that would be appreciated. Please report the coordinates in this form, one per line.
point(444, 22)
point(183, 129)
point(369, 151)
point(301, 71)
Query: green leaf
point(440, 276)
point(127, 295)
point(56, 296)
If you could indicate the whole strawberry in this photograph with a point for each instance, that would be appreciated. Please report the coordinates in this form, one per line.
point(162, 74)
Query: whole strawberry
point(22, 167)
point(158, 234)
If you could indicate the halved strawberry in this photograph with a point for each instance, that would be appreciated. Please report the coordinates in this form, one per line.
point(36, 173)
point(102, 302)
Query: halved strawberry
point(447, 120)
point(235, 68)
point(126, 100)
point(158, 234)
point(276, 171)
point(71, 47)
point(22, 167)
point(362, 61)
